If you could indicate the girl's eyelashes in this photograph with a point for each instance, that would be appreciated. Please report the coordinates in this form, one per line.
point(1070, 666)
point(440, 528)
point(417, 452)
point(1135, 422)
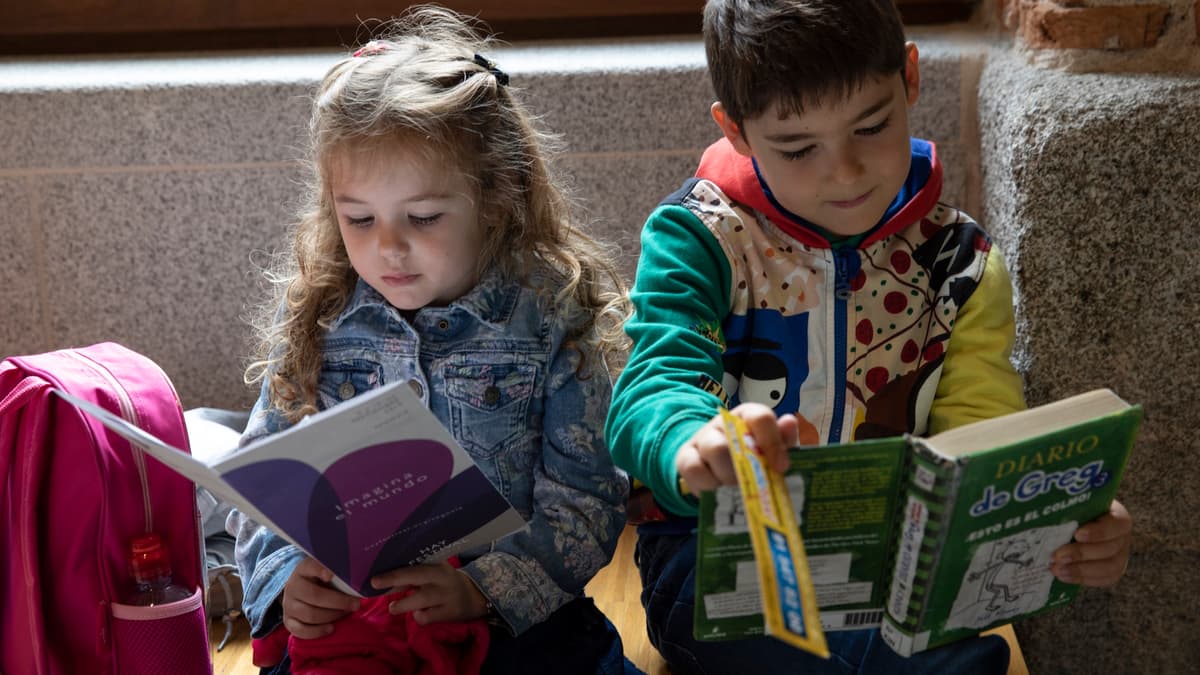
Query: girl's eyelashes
point(422, 221)
point(417, 221)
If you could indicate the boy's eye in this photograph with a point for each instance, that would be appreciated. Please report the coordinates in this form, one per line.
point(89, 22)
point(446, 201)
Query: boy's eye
point(871, 131)
point(796, 154)
point(360, 222)
point(424, 220)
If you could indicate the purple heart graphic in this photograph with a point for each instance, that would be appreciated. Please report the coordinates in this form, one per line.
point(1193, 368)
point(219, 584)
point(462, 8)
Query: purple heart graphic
point(351, 514)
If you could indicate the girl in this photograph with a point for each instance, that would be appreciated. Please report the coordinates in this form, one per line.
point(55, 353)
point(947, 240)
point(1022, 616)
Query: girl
point(438, 249)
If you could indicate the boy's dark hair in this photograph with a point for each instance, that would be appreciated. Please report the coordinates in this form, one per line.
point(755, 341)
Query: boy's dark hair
point(797, 52)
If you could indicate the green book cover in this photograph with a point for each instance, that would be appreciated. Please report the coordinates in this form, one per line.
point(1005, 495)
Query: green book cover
point(986, 505)
point(845, 499)
point(938, 538)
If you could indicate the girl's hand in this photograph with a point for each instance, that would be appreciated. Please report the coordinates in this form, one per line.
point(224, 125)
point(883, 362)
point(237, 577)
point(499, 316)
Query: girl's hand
point(439, 592)
point(704, 462)
point(1100, 552)
point(310, 605)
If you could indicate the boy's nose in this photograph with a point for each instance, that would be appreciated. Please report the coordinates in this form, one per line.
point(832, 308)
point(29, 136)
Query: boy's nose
point(848, 167)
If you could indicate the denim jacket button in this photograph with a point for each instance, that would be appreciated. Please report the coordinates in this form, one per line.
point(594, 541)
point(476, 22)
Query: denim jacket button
point(346, 390)
point(415, 385)
point(443, 325)
point(491, 395)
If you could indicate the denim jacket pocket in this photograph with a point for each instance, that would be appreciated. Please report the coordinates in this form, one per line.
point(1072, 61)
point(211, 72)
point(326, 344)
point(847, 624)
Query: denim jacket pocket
point(343, 379)
point(488, 404)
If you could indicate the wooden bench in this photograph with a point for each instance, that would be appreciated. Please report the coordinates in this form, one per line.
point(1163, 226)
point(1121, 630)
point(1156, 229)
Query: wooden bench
point(617, 591)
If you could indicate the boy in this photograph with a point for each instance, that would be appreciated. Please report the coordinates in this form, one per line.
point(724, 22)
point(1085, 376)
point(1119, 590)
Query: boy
point(809, 279)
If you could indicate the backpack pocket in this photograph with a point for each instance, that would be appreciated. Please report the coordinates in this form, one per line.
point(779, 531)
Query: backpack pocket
point(168, 638)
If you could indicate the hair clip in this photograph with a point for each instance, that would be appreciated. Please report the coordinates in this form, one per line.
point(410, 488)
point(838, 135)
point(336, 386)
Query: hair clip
point(370, 49)
point(500, 75)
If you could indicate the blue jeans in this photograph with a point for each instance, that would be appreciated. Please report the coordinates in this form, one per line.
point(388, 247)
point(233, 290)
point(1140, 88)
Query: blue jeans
point(666, 557)
point(577, 638)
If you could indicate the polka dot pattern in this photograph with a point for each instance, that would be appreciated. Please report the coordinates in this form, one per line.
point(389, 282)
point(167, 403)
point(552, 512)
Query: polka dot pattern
point(897, 323)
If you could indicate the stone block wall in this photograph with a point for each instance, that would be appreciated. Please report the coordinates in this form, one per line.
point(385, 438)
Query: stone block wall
point(140, 196)
point(1091, 184)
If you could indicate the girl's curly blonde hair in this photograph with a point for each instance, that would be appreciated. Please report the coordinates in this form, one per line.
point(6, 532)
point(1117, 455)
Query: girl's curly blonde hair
point(423, 86)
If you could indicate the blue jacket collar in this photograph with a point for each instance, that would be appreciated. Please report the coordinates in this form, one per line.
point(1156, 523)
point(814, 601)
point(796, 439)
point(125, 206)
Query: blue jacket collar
point(491, 301)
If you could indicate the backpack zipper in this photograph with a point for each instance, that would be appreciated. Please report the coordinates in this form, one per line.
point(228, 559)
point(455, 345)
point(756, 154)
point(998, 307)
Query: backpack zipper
point(130, 415)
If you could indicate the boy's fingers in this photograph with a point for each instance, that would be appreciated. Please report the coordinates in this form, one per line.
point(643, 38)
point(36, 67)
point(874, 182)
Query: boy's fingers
point(1114, 525)
point(761, 424)
point(789, 429)
point(716, 460)
point(1075, 553)
point(697, 471)
point(704, 461)
point(769, 433)
point(1104, 572)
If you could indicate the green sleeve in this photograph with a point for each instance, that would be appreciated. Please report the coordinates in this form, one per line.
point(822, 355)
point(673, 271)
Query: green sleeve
point(978, 379)
point(681, 296)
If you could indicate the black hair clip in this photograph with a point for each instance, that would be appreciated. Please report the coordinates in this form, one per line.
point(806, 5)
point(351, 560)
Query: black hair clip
point(500, 75)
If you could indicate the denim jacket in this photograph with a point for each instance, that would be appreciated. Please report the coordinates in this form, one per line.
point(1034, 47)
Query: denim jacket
point(494, 367)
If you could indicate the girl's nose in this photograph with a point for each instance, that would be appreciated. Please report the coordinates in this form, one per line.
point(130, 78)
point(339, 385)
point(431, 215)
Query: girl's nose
point(392, 242)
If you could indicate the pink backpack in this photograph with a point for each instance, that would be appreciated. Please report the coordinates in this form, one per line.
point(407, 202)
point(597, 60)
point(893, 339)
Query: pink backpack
point(73, 497)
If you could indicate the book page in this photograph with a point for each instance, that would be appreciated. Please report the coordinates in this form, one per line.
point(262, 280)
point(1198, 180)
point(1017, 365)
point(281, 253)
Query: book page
point(1020, 426)
point(178, 460)
point(370, 485)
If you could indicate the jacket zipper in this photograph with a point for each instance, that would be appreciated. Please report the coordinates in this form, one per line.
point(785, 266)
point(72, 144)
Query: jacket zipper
point(841, 267)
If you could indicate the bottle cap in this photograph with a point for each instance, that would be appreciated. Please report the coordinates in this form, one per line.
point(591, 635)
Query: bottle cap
point(149, 558)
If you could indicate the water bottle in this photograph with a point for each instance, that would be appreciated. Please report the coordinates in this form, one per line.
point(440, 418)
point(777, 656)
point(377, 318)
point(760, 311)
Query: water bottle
point(150, 564)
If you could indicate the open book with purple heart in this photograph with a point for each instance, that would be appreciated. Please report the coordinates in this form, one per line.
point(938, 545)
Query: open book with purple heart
point(369, 485)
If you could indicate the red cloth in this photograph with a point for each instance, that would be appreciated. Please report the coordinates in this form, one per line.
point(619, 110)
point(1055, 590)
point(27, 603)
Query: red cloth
point(372, 640)
point(268, 651)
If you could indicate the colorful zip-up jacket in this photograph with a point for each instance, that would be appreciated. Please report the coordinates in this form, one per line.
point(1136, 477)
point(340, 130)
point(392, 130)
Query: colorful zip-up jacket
point(738, 300)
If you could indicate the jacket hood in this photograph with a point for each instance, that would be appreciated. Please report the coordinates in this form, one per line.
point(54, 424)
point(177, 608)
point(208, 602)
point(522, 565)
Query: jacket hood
point(738, 177)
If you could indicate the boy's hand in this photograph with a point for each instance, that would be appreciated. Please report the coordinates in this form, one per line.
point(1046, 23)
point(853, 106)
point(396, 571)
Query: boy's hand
point(704, 462)
point(1100, 552)
point(439, 592)
point(310, 605)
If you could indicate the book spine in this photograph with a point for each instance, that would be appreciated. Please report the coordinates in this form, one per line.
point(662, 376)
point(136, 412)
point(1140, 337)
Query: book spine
point(931, 483)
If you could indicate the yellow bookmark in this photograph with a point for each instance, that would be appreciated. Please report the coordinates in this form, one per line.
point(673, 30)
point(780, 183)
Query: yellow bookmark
point(789, 601)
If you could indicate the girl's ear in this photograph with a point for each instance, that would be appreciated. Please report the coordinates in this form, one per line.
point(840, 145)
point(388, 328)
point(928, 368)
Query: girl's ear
point(728, 127)
point(912, 74)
